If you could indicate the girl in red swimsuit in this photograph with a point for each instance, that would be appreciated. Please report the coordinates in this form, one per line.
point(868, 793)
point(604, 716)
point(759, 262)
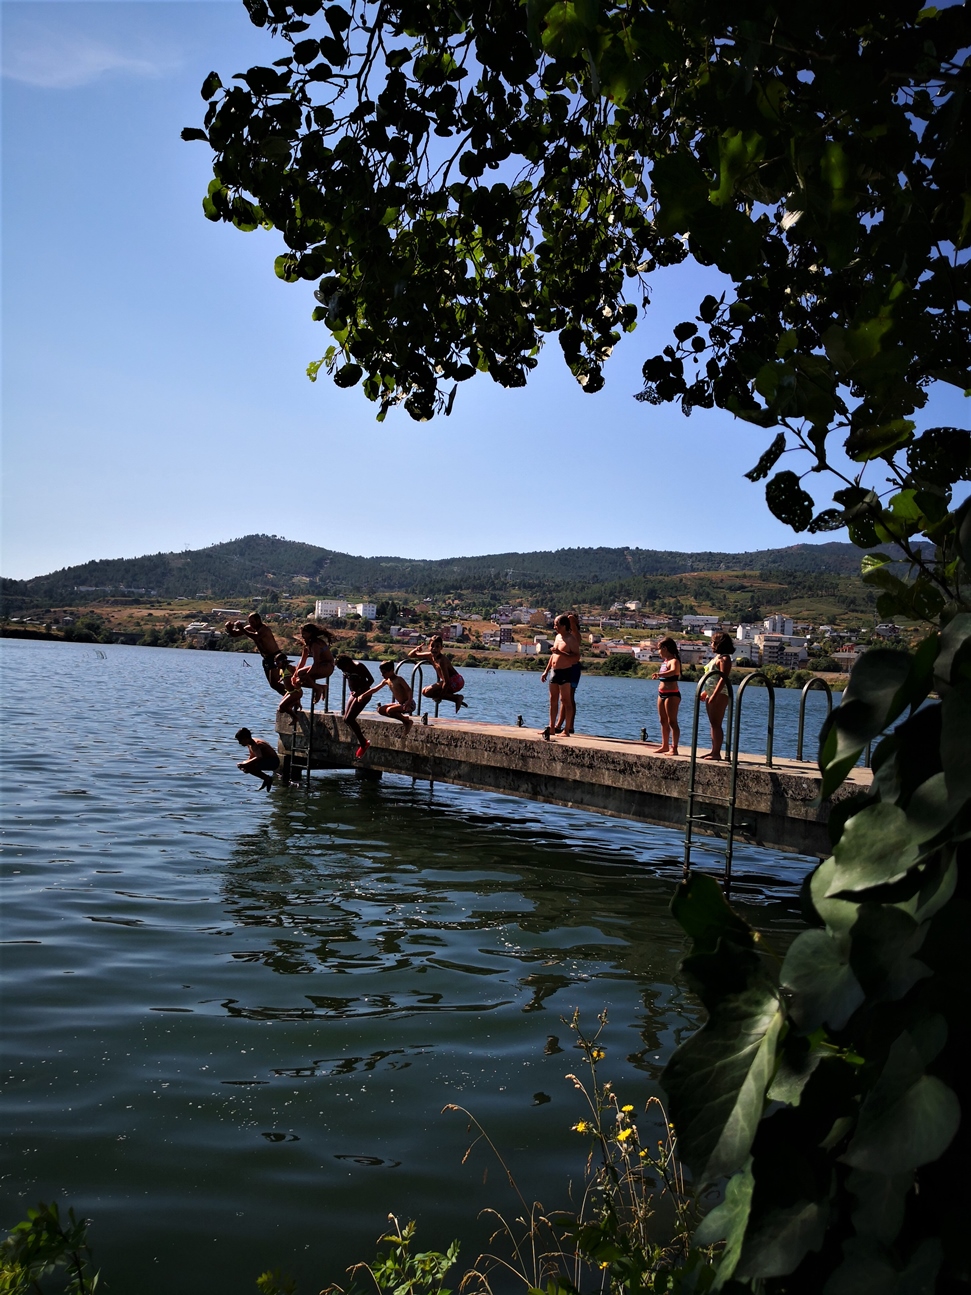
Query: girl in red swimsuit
point(669, 696)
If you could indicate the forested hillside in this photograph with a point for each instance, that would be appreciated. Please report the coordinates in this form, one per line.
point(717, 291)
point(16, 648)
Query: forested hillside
point(256, 564)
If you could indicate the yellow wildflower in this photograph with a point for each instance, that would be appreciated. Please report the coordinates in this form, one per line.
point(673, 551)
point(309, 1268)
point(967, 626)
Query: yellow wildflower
point(624, 1134)
point(627, 1109)
point(598, 1054)
point(581, 1127)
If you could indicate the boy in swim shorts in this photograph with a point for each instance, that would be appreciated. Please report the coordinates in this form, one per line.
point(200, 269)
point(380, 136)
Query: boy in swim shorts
point(263, 760)
point(403, 702)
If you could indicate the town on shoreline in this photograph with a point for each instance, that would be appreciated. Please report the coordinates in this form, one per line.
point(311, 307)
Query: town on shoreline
point(621, 639)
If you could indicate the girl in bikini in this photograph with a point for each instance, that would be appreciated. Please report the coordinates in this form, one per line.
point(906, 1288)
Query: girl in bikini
point(564, 674)
point(316, 660)
point(715, 691)
point(450, 682)
point(669, 696)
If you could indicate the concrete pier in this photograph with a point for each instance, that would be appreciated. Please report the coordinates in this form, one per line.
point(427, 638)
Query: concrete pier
point(776, 806)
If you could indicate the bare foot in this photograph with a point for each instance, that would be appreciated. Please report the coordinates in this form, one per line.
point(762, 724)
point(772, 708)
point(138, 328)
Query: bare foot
point(661, 750)
point(712, 755)
point(407, 722)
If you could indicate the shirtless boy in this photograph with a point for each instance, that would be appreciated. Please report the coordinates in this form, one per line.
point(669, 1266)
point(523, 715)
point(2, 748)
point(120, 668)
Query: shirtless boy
point(253, 628)
point(359, 680)
point(404, 699)
point(263, 760)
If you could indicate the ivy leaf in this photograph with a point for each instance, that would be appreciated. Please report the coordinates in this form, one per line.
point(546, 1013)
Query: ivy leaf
point(727, 1222)
point(908, 1118)
point(716, 1081)
point(877, 847)
point(873, 698)
point(769, 459)
point(817, 974)
point(788, 501)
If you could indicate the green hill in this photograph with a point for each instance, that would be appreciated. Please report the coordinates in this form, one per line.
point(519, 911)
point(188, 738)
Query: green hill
point(257, 564)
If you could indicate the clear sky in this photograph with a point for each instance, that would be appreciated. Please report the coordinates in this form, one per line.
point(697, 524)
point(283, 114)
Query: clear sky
point(155, 395)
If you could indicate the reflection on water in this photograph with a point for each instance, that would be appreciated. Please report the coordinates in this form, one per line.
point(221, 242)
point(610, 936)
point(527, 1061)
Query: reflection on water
point(228, 1015)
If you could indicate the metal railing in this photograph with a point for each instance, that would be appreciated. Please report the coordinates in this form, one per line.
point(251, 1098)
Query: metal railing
point(817, 683)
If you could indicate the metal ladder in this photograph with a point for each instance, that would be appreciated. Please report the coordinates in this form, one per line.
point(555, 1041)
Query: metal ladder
point(725, 846)
point(301, 758)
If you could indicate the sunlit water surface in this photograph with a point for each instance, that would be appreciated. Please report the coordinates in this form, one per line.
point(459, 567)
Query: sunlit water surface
point(232, 1020)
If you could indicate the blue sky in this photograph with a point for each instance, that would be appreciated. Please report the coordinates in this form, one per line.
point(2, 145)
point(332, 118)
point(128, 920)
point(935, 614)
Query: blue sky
point(155, 394)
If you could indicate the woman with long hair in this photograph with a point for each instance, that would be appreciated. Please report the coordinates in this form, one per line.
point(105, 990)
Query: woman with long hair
point(716, 690)
point(564, 669)
point(669, 696)
point(449, 684)
point(316, 659)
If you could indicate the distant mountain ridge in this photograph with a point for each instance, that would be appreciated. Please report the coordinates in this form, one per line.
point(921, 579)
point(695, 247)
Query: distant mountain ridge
point(256, 564)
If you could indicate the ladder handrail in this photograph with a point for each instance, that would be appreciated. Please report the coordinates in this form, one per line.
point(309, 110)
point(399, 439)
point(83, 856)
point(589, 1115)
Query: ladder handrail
point(814, 682)
point(733, 787)
point(693, 764)
point(416, 669)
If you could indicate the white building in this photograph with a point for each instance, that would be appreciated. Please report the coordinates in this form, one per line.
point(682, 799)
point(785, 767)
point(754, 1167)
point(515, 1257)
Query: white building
point(633, 605)
point(367, 610)
point(778, 624)
point(324, 608)
point(509, 649)
point(695, 653)
point(745, 633)
point(700, 622)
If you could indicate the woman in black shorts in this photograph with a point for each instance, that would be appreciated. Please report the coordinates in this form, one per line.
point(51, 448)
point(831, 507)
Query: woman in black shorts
point(564, 674)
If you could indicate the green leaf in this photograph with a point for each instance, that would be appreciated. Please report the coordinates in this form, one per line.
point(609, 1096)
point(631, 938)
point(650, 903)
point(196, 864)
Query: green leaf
point(192, 132)
point(880, 1200)
point(716, 1081)
point(871, 442)
point(908, 1118)
point(788, 501)
point(348, 376)
point(727, 1222)
point(211, 84)
point(700, 907)
point(956, 743)
point(874, 697)
point(877, 847)
point(769, 459)
point(817, 975)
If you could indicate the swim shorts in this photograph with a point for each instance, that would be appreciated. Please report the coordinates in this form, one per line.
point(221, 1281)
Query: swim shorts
point(574, 673)
point(455, 683)
point(562, 676)
point(268, 762)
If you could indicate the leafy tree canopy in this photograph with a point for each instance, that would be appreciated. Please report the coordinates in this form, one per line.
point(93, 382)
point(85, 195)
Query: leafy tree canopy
point(464, 179)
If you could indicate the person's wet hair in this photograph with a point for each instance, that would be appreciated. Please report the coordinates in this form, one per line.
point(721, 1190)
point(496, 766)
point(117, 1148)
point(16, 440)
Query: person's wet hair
point(343, 661)
point(723, 644)
point(244, 735)
point(315, 632)
point(670, 645)
point(386, 667)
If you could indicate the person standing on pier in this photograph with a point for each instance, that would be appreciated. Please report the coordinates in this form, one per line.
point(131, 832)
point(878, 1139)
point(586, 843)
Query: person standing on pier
point(563, 670)
point(316, 661)
point(450, 683)
point(263, 761)
point(669, 696)
point(715, 691)
point(359, 680)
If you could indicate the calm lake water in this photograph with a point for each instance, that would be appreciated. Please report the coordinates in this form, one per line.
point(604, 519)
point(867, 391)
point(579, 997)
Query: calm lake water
point(231, 1020)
